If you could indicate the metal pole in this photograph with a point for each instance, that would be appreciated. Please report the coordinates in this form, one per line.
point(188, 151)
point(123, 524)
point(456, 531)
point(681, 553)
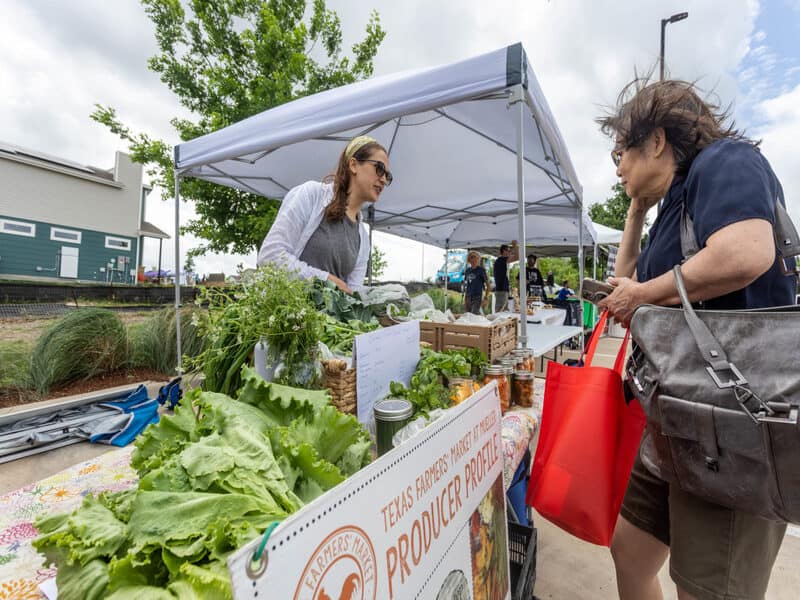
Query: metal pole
point(371, 219)
point(158, 273)
point(661, 54)
point(594, 261)
point(523, 300)
point(580, 270)
point(178, 272)
point(446, 271)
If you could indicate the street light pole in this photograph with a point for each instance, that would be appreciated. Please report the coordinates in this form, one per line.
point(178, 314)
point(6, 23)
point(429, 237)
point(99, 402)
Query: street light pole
point(664, 22)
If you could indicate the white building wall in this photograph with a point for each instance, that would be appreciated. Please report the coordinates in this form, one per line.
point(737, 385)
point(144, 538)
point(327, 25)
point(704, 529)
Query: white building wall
point(32, 192)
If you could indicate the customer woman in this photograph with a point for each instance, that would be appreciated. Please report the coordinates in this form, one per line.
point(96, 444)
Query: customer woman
point(318, 230)
point(672, 145)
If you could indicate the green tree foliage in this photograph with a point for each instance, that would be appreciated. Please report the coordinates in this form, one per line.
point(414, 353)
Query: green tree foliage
point(227, 60)
point(613, 211)
point(377, 262)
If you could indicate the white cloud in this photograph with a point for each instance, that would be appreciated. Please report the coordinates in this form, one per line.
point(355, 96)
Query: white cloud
point(779, 143)
point(61, 58)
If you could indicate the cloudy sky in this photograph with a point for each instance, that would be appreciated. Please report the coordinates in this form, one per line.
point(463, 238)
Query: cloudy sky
point(60, 58)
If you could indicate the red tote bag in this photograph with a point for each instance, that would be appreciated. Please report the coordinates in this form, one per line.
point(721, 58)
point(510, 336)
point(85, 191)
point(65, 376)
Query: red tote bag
point(587, 444)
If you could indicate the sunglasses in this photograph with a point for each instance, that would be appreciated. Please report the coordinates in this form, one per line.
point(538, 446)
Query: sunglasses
point(380, 169)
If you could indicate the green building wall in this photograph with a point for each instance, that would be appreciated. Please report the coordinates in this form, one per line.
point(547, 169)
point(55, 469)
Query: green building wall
point(20, 255)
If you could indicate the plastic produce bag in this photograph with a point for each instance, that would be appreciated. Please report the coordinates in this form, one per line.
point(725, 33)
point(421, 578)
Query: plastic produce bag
point(415, 426)
point(379, 297)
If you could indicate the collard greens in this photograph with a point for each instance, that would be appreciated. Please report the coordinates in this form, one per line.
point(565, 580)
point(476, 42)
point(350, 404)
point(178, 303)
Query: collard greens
point(212, 477)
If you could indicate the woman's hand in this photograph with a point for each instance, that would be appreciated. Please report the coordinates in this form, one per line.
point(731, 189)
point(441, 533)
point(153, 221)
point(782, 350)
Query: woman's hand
point(339, 283)
point(623, 300)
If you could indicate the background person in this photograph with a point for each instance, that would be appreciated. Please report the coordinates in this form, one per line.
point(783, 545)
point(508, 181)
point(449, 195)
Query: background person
point(476, 280)
point(501, 283)
point(671, 144)
point(318, 230)
point(533, 276)
point(565, 292)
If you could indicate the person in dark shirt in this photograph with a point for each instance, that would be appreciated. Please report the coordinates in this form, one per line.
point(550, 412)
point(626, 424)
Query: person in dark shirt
point(670, 144)
point(501, 283)
point(476, 280)
point(534, 278)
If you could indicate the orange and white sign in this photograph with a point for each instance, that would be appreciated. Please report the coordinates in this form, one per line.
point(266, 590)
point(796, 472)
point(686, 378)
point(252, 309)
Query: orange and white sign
point(426, 520)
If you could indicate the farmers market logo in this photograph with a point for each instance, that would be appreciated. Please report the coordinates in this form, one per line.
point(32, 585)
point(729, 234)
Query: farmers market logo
point(341, 568)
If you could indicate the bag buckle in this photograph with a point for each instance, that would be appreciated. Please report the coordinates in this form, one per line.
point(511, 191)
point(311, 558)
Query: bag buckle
point(782, 413)
point(740, 379)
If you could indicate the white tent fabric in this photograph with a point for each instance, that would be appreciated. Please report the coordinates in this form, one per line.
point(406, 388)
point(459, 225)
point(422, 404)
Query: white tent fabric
point(606, 235)
point(471, 145)
point(451, 139)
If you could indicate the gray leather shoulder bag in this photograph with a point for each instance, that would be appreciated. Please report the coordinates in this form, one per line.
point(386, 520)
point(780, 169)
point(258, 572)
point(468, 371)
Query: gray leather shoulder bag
point(721, 390)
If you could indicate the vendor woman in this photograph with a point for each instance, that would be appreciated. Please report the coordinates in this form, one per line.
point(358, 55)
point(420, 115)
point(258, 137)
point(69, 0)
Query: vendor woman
point(318, 231)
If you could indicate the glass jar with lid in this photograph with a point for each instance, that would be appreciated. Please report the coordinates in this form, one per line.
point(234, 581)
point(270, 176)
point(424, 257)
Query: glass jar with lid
point(391, 415)
point(522, 389)
point(498, 373)
point(461, 388)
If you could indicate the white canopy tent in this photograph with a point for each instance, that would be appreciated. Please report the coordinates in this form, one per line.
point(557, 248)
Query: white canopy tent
point(473, 147)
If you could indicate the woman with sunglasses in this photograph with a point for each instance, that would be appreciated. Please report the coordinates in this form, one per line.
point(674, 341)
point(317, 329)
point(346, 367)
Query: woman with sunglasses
point(673, 145)
point(318, 230)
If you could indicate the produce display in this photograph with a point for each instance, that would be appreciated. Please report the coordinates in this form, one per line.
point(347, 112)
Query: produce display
point(271, 304)
point(427, 391)
point(338, 336)
point(213, 476)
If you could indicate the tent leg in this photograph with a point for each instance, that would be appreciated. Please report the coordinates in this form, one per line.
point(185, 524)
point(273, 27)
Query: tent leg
point(594, 261)
point(523, 300)
point(580, 271)
point(371, 218)
point(179, 368)
point(446, 272)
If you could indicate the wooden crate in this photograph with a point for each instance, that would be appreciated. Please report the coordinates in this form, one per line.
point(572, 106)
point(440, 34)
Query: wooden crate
point(494, 341)
point(341, 383)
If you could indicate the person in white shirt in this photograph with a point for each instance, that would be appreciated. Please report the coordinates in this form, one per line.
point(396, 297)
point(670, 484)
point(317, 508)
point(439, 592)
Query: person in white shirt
point(318, 230)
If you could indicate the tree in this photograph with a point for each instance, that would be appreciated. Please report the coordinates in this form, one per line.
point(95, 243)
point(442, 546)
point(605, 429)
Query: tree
point(613, 211)
point(228, 60)
point(377, 262)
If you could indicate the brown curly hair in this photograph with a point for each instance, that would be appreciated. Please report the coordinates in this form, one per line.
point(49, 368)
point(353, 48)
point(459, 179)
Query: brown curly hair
point(335, 211)
point(689, 122)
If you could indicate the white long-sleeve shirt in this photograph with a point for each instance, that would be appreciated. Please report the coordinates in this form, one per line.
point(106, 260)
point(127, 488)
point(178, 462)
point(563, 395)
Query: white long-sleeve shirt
point(299, 216)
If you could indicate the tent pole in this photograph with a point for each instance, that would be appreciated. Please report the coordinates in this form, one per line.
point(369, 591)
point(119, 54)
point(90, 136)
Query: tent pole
point(594, 261)
point(178, 271)
point(446, 271)
point(518, 98)
point(580, 271)
point(371, 219)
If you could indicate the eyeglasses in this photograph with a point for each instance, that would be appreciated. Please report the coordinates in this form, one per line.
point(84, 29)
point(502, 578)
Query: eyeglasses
point(380, 169)
point(616, 157)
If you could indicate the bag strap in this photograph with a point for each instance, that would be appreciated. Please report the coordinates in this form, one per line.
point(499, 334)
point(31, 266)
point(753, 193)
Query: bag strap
point(619, 363)
point(787, 240)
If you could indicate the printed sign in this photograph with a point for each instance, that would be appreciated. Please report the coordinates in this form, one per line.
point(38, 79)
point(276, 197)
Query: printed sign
point(426, 520)
point(382, 356)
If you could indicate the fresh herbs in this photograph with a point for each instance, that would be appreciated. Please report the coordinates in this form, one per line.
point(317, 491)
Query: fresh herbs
point(339, 336)
point(427, 391)
point(272, 305)
point(212, 477)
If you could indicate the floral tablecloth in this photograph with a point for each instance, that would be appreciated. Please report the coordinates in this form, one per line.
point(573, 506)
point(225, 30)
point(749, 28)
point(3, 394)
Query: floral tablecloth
point(21, 569)
point(518, 426)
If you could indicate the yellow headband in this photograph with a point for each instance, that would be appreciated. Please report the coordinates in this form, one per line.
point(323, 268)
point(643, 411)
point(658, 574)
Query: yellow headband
point(356, 144)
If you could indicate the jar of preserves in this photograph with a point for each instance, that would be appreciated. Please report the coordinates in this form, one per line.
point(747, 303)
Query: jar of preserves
point(522, 390)
point(391, 415)
point(498, 373)
point(461, 388)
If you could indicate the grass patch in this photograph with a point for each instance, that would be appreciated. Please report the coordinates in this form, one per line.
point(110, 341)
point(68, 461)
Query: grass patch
point(15, 361)
point(79, 345)
point(152, 342)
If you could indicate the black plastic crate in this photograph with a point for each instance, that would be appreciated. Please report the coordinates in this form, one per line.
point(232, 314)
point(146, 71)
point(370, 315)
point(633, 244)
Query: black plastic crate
point(522, 560)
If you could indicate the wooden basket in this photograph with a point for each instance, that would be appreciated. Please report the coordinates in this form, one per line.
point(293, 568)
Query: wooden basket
point(494, 341)
point(341, 383)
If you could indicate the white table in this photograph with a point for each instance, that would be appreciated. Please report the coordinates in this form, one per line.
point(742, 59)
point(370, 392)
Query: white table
point(544, 338)
point(548, 316)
